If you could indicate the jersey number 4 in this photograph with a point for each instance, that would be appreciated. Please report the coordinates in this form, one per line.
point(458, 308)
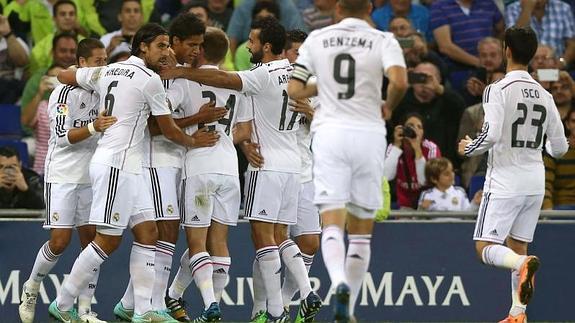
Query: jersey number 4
point(536, 122)
point(230, 106)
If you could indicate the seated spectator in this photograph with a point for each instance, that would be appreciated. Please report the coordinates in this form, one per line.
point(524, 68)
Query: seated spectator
point(457, 27)
point(490, 61)
point(560, 174)
point(552, 20)
point(199, 9)
point(415, 51)
point(563, 92)
point(20, 188)
point(544, 58)
point(107, 12)
point(35, 116)
point(320, 15)
point(131, 19)
point(14, 55)
point(440, 107)
point(64, 54)
point(400, 26)
point(66, 22)
point(416, 13)
point(219, 13)
point(405, 159)
point(444, 196)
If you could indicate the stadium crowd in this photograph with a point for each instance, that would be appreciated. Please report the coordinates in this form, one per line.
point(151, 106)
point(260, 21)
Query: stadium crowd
point(453, 50)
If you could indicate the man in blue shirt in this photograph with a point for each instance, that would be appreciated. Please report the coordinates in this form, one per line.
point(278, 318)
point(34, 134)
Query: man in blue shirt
point(417, 14)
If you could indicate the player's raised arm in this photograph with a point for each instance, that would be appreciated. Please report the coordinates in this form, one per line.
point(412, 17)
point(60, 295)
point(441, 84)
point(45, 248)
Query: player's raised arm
point(68, 77)
point(298, 86)
point(394, 65)
point(492, 126)
point(212, 77)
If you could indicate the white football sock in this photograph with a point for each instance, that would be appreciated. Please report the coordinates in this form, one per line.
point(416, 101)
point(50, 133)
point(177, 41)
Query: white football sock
point(503, 257)
point(516, 306)
point(183, 277)
point(142, 275)
point(259, 289)
point(333, 254)
point(83, 270)
point(270, 267)
point(45, 261)
point(289, 286)
point(292, 259)
point(221, 275)
point(202, 271)
point(356, 264)
point(87, 293)
point(128, 298)
point(162, 267)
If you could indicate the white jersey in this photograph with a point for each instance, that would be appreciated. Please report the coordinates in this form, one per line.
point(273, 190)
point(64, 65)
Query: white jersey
point(159, 151)
point(518, 115)
point(122, 47)
point(129, 91)
point(349, 60)
point(222, 158)
point(304, 144)
point(275, 125)
point(453, 199)
point(70, 107)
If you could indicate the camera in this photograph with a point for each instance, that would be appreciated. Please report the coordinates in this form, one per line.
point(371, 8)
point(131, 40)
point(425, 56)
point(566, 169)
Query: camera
point(409, 132)
point(416, 78)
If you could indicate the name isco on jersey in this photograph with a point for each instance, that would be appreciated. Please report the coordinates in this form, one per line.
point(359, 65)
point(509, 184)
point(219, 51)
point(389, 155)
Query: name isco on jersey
point(347, 41)
point(120, 72)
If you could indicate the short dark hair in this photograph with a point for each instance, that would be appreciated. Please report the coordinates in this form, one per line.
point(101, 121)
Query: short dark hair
point(8, 151)
point(194, 4)
point(85, 47)
point(272, 32)
point(138, 1)
point(354, 6)
point(294, 36)
point(61, 3)
point(413, 115)
point(62, 35)
point(267, 5)
point(522, 41)
point(146, 34)
point(434, 167)
point(186, 25)
point(215, 45)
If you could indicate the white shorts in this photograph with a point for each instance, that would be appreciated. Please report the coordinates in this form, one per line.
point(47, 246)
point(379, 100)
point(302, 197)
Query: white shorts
point(67, 205)
point(119, 196)
point(348, 167)
point(308, 220)
point(272, 197)
point(208, 197)
point(500, 217)
point(163, 184)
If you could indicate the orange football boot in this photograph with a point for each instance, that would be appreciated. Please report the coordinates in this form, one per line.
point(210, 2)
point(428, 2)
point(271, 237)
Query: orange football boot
point(527, 279)
point(521, 318)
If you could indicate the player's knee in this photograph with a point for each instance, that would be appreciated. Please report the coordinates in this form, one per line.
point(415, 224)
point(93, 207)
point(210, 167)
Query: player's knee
point(59, 243)
point(168, 231)
point(146, 233)
point(280, 233)
point(308, 244)
point(217, 244)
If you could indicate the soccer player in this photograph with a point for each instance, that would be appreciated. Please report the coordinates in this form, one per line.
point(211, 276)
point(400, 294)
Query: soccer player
point(349, 60)
point(74, 131)
point(130, 90)
point(273, 185)
point(519, 113)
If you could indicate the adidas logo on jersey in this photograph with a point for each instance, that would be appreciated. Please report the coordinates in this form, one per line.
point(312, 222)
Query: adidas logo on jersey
point(220, 271)
point(195, 218)
point(263, 212)
point(493, 233)
point(297, 255)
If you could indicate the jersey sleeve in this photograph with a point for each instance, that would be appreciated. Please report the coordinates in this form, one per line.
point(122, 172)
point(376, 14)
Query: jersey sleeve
point(255, 80)
point(176, 94)
point(303, 67)
point(492, 124)
point(87, 77)
point(391, 54)
point(245, 111)
point(155, 95)
point(58, 112)
point(556, 144)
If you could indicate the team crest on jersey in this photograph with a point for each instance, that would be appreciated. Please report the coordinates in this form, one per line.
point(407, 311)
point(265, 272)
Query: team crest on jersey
point(454, 201)
point(55, 217)
point(116, 217)
point(170, 209)
point(62, 109)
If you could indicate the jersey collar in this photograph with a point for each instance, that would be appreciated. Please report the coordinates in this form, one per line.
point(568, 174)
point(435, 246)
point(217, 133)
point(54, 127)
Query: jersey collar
point(137, 61)
point(354, 22)
point(519, 74)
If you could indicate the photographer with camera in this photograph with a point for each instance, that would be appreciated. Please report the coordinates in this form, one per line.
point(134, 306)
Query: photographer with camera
point(131, 19)
point(20, 188)
point(406, 157)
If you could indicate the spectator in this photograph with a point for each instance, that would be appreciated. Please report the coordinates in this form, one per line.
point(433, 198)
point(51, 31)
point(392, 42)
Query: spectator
point(559, 174)
point(63, 54)
point(417, 14)
point(490, 61)
point(440, 107)
point(35, 116)
point(457, 27)
point(320, 15)
point(219, 13)
point(131, 20)
point(239, 27)
point(563, 94)
point(444, 196)
point(552, 20)
point(14, 55)
point(406, 157)
point(20, 188)
point(66, 20)
point(415, 51)
point(400, 26)
point(544, 58)
point(199, 9)
point(569, 56)
point(108, 11)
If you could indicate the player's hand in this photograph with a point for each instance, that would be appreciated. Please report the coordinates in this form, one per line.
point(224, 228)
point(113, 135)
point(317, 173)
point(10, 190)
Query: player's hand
point(425, 204)
point(209, 112)
point(114, 42)
point(45, 85)
point(302, 106)
point(462, 144)
point(172, 61)
point(204, 138)
point(398, 136)
point(252, 153)
point(434, 84)
point(169, 73)
point(104, 122)
point(475, 87)
point(4, 26)
point(477, 197)
point(20, 181)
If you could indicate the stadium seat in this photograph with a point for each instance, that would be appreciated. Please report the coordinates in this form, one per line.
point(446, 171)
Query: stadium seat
point(10, 126)
point(475, 184)
point(22, 148)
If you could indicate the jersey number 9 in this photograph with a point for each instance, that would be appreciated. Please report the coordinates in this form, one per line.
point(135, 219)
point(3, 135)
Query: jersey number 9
point(347, 78)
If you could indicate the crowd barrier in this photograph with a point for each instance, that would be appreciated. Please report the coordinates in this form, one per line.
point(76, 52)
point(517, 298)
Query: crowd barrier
point(420, 271)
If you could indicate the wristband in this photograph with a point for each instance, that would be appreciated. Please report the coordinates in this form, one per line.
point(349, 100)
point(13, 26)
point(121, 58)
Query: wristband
point(91, 128)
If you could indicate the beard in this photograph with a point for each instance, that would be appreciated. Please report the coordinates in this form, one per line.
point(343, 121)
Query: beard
point(257, 57)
